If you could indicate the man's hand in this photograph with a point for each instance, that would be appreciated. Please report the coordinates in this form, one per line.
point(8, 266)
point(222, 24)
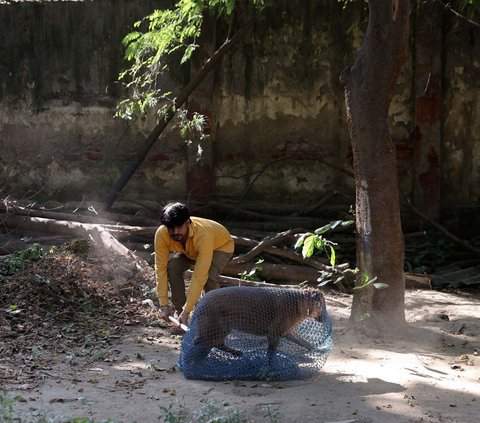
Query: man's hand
point(183, 318)
point(166, 310)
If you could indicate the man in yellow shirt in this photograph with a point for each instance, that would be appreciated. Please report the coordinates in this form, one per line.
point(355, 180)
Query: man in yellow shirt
point(194, 241)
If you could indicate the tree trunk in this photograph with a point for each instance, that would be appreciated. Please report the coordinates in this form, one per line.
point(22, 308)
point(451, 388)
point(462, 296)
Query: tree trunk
point(369, 86)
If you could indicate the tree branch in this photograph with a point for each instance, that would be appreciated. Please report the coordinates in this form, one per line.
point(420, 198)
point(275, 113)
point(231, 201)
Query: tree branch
point(208, 66)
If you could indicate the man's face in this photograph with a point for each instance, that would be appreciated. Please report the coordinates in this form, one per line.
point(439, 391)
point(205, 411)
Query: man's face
point(179, 233)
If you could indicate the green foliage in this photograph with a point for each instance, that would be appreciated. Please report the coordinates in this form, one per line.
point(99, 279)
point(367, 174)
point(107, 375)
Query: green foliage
point(164, 39)
point(208, 412)
point(176, 412)
point(436, 251)
point(367, 281)
point(158, 36)
point(191, 126)
point(271, 414)
point(77, 246)
point(7, 408)
point(7, 414)
point(313, 242)
point(16, 262)
point(252, 274)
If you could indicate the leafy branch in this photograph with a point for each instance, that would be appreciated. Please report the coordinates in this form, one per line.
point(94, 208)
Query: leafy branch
point(313, 242)
point(157, 37)
point(151, 56)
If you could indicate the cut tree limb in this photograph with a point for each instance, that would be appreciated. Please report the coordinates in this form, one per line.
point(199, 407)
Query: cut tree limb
point(267, 242)
point(233, 281)
point(270, 271)
point(106, 218)
point(84, 230)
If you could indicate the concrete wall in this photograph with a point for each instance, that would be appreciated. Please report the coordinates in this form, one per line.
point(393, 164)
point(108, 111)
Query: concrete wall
point(276, 104)
point(58, 91)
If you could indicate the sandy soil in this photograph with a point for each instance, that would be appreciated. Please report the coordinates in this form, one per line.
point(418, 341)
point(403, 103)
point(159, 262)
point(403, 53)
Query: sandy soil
point(433, 375)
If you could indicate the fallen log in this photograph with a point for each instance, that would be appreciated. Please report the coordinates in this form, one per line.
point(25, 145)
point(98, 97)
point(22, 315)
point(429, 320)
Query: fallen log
point(417, 280)
point(94, 232)
point(309, 224)
point(308, 269)
point(270, 271)
point(232, 281)
point(126, 220)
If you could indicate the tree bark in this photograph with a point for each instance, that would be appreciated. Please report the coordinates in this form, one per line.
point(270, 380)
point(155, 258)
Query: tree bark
point(369, 87)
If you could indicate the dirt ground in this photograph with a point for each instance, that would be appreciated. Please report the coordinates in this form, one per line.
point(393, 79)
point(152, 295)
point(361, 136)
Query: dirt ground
point(124, 369)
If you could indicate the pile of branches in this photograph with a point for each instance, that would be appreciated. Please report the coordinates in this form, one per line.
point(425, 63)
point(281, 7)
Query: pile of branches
point(74, 301)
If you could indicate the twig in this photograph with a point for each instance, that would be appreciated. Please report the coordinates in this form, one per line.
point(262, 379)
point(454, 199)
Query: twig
point(267, 242)
point(458, 14)
point(439, 227)
point(315, 205)
point(264, 168)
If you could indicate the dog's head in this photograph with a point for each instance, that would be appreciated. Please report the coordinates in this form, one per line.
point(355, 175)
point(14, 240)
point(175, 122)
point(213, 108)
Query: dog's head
point(314, 303)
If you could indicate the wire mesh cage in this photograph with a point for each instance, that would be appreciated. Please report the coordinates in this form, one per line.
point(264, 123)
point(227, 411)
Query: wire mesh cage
point(257, 333)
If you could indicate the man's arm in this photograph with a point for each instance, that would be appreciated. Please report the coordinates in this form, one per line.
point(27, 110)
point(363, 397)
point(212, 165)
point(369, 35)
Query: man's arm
point(161, 261)
point(200, 271)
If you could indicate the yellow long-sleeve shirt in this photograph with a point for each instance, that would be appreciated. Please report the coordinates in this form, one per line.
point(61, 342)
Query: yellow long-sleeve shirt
point(204, 237)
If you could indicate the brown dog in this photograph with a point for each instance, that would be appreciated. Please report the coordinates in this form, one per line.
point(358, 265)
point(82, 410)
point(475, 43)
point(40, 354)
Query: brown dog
point(270, 312)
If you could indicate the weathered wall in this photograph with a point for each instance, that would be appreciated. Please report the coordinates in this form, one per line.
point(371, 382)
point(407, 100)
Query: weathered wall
point(58, 90)
point(461, 129)
point(277, 107)
point(279, 97)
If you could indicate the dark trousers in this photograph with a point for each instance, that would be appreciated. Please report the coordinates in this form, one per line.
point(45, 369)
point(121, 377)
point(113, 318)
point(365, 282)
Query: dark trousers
point(178, 264)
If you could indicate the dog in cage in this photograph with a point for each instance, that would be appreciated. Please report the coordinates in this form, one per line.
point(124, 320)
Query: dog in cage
point(269, 312)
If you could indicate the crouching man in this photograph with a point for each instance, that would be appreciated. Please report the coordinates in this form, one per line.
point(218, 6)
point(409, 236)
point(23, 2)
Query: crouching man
point(203, 244)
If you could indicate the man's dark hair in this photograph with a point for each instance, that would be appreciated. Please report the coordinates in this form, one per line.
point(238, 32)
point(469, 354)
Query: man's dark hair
point(174, 214)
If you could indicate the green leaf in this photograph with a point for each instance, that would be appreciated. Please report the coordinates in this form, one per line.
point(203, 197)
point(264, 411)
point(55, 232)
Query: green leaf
point(323, 229)
point(364, 285)
point(308, 246)
point(332, 255)
point(323, 282)
point(380, 285)
point(132, 36)
point(300, 241)
point(333, 225)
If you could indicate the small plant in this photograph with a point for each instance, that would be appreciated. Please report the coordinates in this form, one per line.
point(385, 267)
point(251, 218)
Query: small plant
point(270, 414)
point(176, 412)
point(77, 246)
point(435, 252)
point(253, 273)
point(16, 262)
point(366, 281)
point(313, 242)
point(210, 412)
point(7, 408)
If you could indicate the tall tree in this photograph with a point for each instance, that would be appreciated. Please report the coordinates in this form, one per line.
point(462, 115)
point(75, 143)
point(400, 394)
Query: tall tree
point(369, 85)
